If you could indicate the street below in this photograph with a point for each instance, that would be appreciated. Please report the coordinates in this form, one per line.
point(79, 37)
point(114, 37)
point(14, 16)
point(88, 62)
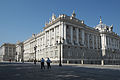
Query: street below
point(29, 71)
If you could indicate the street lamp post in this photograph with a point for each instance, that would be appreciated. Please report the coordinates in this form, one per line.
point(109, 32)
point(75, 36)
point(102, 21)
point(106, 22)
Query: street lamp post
point(35, 49)
point(23, 56)
point(35, 54)
point(60, 62)
point(16, 57)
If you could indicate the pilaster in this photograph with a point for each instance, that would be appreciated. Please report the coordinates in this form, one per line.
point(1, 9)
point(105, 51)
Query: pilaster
point(77, 35)
point(88, 42)
point(83, 37)
point(43, 42)
point(118, 44)
point(113, 44)
point(71, 30)
point(65, 37)
point(45, 39)
point(103, 42)
point(59, 33)
point(8, 50)
point(49, 37)
point(62, 31)
point(13, 55)
point(54, 36)
point(108, 42)
point(96, 42)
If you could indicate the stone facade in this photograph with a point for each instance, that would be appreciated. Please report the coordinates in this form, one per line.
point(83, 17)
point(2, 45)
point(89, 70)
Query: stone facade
point(72, 40)
point(79, 42)
point(110, 43)
point(19, 52)
point(1, 53)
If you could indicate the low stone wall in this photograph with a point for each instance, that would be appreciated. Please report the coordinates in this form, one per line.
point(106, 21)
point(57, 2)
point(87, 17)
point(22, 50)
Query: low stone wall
point(93, 61)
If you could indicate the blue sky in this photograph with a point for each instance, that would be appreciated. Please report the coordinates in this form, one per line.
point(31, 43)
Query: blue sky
point(19, 19)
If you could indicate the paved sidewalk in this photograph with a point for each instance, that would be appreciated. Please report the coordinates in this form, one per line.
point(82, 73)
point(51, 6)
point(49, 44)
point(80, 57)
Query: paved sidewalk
point(28, 71)
point(96, 66)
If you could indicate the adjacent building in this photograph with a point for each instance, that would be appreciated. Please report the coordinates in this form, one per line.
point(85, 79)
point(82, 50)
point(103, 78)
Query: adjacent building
point(1, 54)
point(8, 52)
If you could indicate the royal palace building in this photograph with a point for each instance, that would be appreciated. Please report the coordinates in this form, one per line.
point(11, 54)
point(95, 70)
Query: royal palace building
point(71, 40)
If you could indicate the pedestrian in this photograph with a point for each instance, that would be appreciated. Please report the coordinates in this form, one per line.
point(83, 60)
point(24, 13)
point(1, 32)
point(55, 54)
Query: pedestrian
point(48, 63)
point(42, 63)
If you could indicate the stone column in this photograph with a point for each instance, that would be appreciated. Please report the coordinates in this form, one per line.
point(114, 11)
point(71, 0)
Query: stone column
point(3, 50)
point(45, 39)
point(65, 37)
point(96, 42)
point(62, 31)
point(108, 42)
point(83, 37)
point(118, 45)
point(59, 33)
point(49, 37)
point(115, 44)
point(71, 30)
point(13, 55)
point(8, 51)
point(112, 43)
point(103, 41)
point(77, 35)
point(54, 36)
point(88, 42)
